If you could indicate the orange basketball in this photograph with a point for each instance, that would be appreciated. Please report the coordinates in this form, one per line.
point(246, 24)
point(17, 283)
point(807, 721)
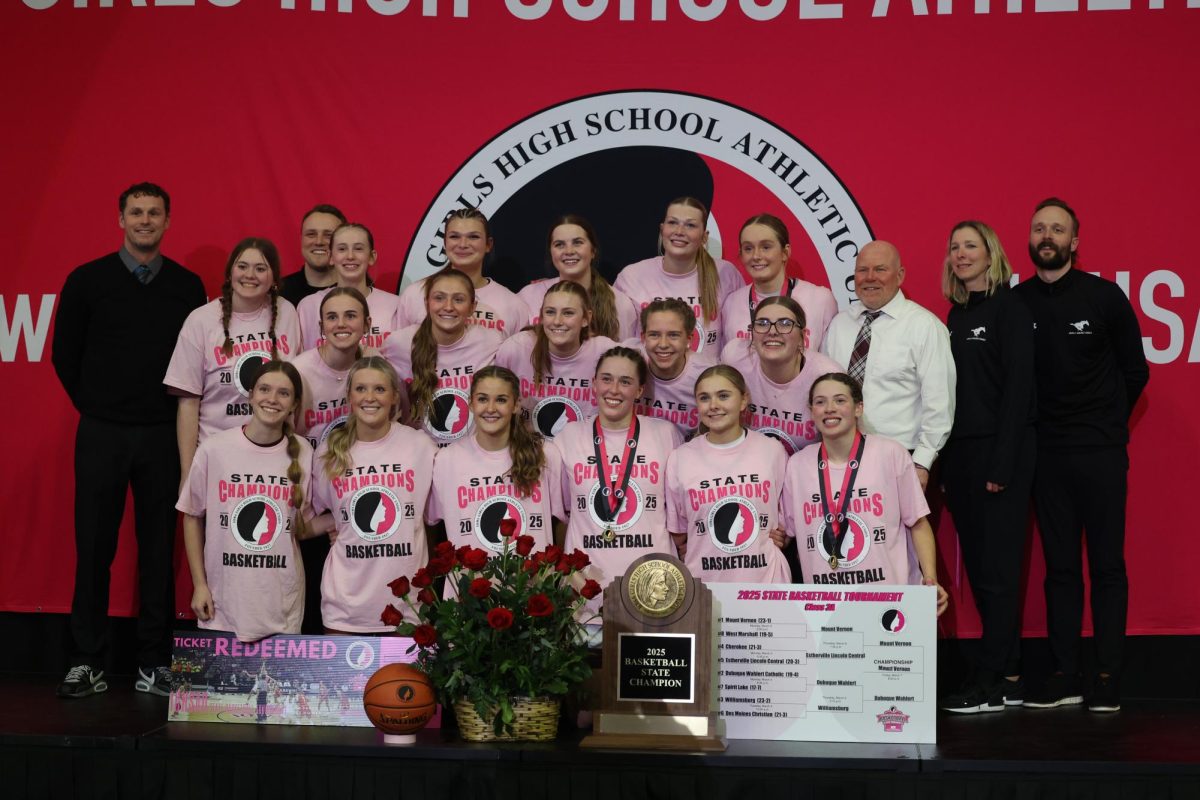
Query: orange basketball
point(399, 699)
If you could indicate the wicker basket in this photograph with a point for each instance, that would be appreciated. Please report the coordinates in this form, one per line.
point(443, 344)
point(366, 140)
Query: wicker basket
point(535, 719)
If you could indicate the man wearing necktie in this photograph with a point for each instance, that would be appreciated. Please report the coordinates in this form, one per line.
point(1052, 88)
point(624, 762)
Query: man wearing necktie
point(115, 329)
point(900, 353)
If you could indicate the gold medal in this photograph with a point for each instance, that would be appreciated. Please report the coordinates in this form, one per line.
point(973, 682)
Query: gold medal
point(609, 534)
point(833, 562)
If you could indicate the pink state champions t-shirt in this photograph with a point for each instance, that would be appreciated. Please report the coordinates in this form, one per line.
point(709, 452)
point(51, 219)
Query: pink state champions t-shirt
point(384, 308)
point(251, 558)
point(726, 499)
point(628, 312)
point(886, 501)
point(473, 492)
point(565, 393)
point(646, 281)
point(674, 399)
point(450, 418)
point(780, 410)
point(200, 367)
point(817, 301)
point(496, 307)
point(378, 504)
point(640, 524)
point(325, 405)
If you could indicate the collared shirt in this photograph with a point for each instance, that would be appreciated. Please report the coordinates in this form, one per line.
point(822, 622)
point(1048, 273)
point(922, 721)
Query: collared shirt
point(131, 263)
point(908, 388)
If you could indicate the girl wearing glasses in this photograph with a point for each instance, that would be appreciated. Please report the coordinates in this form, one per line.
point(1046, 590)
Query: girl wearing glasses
point(779, 372)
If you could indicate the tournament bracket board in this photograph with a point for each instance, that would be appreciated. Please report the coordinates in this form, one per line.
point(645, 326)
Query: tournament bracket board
point(827, 663)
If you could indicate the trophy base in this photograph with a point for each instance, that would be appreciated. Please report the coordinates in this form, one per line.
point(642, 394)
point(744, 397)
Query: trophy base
point(645, 741)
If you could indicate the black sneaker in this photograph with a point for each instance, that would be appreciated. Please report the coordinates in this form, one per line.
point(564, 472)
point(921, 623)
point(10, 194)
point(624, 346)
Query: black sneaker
point(1106, 695)
point(154, 681)
point(974, 698)
point(1060, 690)
point(82, 681)
point(1013, 691)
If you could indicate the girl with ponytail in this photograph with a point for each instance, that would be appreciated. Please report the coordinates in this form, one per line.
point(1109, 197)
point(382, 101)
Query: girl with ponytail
point(685, 270)
point(555, 361)
point(352, 255)
point(575, 254)
point(241, 535)
point(373, 477)
point(223, 344)
point(467, 243)
point(504, 480)
point(436, 357)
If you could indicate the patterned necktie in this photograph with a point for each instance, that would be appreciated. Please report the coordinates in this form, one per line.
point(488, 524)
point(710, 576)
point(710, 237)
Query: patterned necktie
point(143, 273)
point(862, 345)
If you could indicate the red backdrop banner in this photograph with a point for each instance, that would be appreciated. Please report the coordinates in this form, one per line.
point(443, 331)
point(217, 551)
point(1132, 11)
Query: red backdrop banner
point(851, 120)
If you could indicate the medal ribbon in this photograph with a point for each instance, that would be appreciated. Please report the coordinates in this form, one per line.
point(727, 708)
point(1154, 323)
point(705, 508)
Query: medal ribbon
point(789, 287)
point(839, 523)
point(615, 491)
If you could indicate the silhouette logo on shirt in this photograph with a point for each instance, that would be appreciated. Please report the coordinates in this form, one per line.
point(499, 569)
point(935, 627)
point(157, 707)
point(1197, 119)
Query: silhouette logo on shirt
point(246, 368)
point(696, 345)
point(374, 513)
point(892, 620)
point(732, 524)
point(779, 436)
point(491, 513)
point(340, 422)
point(256, 523)
point(855, 544)
point(629, 512)
point(449, 417)
point(553, 413)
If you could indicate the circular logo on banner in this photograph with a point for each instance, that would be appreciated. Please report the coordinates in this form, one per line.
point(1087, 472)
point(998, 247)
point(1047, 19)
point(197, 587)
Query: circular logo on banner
point(779, 436)
point(551, 414)
point(360, 655)
point(374, 513)
point(856, 542)
point(256, 523)
point(246, 368)
point(892, 620)
point(491, 513)
point(449, 416)
point(732, 524)
point(614, 137)
point(628, 513)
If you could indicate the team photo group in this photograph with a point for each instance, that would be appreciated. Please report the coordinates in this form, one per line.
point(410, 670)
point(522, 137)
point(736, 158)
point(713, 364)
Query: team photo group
point(317, 431)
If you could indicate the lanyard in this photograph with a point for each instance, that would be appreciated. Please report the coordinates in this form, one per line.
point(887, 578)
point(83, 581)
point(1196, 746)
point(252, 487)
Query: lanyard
point(613, 489)
point(789, 287)
point(839, 524)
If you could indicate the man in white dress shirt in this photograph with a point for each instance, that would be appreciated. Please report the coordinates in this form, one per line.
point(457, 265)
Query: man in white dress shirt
point(901, 354)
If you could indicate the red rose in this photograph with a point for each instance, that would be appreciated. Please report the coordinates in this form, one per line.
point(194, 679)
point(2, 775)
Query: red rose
point(425, 635)
point(524, 545)
point(539, 606)
point(508, 526)
point(578, 559)
point(590, 589)
point(399, 586)
point(426, 596)
point(422, 578)
point(550, 555)
point(444, 549)
point(475, 559)
point(563, 565)
point(481, 588)
point(500, 618)
point(461, 552)
point(391, 616)
point(440, 565)
point(532, 565)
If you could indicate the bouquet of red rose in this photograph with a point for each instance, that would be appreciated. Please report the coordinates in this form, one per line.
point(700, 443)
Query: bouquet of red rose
point(507, 628)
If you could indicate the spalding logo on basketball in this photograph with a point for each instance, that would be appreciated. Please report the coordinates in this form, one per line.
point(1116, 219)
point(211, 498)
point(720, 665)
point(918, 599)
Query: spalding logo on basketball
point(552, 414)
point(399, 699)
point(779, 436)
point(256, 523)
point(491, 513)
point(374, 513)
point(856, 542)
point(246, 370)
point(629, 512)
point(449, 416)
point(732, 524)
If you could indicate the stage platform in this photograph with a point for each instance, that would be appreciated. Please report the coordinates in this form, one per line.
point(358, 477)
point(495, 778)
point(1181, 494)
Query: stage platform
point(118, 745)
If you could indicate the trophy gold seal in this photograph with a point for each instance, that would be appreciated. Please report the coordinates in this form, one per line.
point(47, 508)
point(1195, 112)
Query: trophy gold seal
point(657, 588)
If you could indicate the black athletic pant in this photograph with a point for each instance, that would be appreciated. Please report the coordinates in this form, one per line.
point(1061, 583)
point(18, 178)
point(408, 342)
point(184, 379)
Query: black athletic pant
point(313, 552)
point(1081, 494)
point(992, 531)
point(110, 458)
